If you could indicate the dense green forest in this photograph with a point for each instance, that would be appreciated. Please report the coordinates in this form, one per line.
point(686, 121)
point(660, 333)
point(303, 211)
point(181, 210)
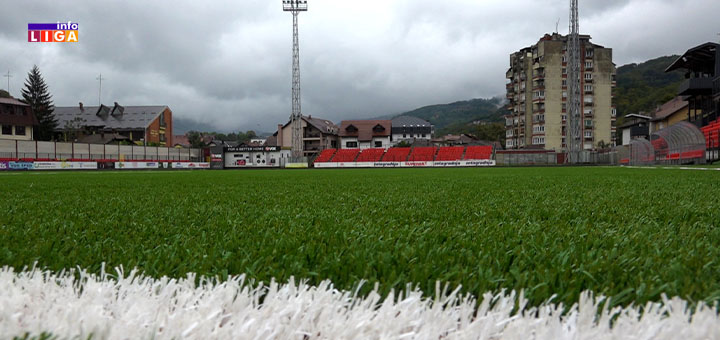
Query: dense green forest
point(452, 115)
point(642, 87)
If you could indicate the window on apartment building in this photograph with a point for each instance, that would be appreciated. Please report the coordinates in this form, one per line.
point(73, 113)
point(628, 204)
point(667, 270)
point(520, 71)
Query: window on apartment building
point(378, 144)
point(404, 135)
point(588, 76)
point(588, 134)
point(564, 70)
point(564, 94)
point(19, 130)
point(351, 144)
point(564, 82)
point(564, 58)
point(162, 137)
point(7, 129)
point(564, 117)
point(423, 135)
point(588, 88)
point(589, 53)
point(564, 106)
point(588, 64)
point(588, 122)
point(162, 118)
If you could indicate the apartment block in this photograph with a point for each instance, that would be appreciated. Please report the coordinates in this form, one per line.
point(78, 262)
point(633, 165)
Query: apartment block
point(537, 95)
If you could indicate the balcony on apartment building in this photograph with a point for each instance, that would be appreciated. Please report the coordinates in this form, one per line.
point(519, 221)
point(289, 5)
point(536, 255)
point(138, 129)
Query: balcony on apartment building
point(540, 118)
point(588, 112)
point(539, 75)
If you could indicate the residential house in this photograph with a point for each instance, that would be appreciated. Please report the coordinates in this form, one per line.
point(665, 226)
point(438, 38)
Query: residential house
point(364, 134)
point(140, 124)
point(16, 120)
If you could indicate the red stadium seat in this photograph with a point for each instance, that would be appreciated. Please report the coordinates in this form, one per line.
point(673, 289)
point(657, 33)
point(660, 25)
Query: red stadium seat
point(325, 156)
point(370, 155)
point(423, 154)
point(396, 155)
point(478, 152)
point(346, 155)
point(450, 153)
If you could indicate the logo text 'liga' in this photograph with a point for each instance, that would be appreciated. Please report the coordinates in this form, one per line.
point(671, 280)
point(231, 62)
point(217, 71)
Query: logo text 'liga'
point(58, 32)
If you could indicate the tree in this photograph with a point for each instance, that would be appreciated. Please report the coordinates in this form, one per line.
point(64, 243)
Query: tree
point(36, 95)
point(4, 94)
point(195, 139)
point(73, 128)
point(492, 132)
point(245, 137)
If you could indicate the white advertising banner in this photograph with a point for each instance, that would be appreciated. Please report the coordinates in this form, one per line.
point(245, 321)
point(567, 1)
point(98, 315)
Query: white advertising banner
point(325, 165)
point(137, 165)
point(190, 165)
point(65, 165)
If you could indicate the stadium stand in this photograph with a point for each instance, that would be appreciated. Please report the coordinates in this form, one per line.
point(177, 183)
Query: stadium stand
point(712, 134)
point(478, 152)
point(450, 153)
point(345, 155)
point(371, 155)
point(423, 154)
point(325, 156)
point(396, 155)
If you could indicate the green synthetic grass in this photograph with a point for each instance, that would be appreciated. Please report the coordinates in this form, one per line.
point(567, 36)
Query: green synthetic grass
point(629, 233)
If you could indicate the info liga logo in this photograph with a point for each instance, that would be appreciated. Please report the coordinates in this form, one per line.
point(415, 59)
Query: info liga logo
point(58, 32)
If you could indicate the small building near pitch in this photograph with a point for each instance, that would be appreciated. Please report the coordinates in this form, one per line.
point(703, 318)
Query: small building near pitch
point(140, 124)
point(16, 119)
point(245, 156)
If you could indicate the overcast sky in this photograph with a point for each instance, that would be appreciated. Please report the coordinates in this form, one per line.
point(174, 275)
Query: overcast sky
point(228, 63)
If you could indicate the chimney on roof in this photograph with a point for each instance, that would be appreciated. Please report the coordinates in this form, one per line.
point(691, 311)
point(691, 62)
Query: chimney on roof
point(82, 109)
point(280, 136)
point(309, 116)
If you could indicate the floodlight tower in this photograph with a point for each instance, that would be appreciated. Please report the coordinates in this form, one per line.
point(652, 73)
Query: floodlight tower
point(295, 7)
point(573, 139)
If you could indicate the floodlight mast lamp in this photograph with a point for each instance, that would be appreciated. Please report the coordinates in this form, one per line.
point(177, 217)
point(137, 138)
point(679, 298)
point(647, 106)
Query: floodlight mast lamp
point(573, 140)
point(295, 7)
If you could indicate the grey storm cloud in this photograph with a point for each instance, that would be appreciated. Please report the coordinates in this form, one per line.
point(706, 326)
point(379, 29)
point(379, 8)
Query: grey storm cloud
point(227, 63)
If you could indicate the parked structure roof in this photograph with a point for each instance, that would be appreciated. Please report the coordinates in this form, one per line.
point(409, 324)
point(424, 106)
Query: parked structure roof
point(365, 130)
point(409, 121)
point(116, 117)
point(15, 112)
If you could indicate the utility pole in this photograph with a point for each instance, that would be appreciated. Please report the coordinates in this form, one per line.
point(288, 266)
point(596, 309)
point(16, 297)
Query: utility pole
point(8, 76)
point(573, 138)
point(295, 7)
point(100, 79)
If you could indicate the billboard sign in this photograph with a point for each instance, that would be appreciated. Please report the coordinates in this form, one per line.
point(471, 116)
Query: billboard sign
point(251, 149)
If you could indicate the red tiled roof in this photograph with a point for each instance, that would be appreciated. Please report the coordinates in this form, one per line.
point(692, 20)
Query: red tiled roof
point(181, 140)
point(366, 129)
